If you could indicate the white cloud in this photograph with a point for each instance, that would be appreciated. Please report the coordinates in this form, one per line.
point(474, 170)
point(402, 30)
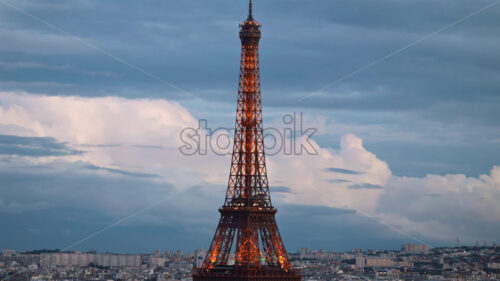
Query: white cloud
point(142, 136)
point(444, 207)
point(138, 135)
point(96, 120)
point(312, 183)
point(431, 208)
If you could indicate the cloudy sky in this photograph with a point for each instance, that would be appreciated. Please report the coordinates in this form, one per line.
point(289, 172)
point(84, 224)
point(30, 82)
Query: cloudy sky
point(94, 96)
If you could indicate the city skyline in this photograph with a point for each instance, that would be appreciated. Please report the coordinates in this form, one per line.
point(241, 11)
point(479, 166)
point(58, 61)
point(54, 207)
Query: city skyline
point(412, 262)
point(405, 145)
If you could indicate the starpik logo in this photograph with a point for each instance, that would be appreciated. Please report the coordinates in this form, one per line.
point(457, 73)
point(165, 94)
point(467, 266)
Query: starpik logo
point(290, 138)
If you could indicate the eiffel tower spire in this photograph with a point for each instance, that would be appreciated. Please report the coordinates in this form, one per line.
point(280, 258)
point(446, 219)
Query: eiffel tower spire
point(250, 16)
point(248, 216)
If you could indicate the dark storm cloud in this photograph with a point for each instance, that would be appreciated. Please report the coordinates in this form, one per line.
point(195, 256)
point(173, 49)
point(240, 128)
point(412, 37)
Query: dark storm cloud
point(66, 202)
point(296, 209)
point(194, 44)
point(365, 186)
point(344, 171)
point(54, 205)
point(474, 157)
point(305, 46)
point(333, 228)
point(281, 189)
point(77, 184)
point(121, 172)
point(34, 146)
point(338, 181)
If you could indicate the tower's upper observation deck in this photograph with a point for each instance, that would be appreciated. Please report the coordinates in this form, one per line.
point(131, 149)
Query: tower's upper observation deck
point(250, 29)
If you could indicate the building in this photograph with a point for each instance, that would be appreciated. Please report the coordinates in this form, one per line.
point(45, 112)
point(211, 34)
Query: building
point(364, 261)
point(84, 259)
point(6, 252)
point(414, 248)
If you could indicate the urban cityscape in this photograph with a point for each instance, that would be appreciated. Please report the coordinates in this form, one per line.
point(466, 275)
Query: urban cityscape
point(411, 262)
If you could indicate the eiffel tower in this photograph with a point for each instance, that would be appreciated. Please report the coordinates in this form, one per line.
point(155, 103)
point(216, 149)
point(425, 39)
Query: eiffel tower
point(248, 214)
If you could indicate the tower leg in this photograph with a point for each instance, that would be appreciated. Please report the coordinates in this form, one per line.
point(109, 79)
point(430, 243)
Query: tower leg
point(221, 244)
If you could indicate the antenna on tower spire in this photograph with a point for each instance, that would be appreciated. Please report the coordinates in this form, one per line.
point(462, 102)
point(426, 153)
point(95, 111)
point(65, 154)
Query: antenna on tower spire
point(250, 16)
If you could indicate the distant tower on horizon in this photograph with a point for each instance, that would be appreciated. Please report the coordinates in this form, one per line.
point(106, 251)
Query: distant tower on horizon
point(247, 212)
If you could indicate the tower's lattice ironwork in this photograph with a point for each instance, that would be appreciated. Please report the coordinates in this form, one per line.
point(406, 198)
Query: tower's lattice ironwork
point(248, 215)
